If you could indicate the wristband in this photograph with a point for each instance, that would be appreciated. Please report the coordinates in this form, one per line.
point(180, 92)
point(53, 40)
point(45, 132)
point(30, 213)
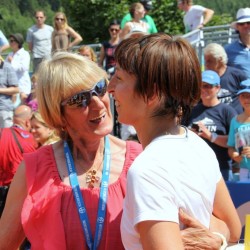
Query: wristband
point(224, 241)
point(213, 137)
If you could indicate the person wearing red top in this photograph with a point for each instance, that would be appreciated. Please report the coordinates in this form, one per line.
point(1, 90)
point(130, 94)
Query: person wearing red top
point(15, 141)
point(69, 195)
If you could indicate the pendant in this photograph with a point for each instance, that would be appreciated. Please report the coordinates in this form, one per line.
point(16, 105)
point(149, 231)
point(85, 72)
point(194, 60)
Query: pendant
point(91, 178)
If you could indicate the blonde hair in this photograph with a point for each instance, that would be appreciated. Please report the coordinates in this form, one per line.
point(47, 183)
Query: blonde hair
point(217, 52)
point(92, 52)
point(61, 77)
point(65, 23)
point(53, 137)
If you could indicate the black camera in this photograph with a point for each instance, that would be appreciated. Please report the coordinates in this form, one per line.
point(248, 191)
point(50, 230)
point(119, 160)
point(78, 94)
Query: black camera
point(195, 127)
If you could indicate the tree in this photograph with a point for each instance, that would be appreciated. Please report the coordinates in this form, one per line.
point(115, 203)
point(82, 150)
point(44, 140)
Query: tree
point(91, 18)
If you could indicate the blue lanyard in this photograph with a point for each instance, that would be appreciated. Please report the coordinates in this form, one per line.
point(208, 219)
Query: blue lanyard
point(79, 199)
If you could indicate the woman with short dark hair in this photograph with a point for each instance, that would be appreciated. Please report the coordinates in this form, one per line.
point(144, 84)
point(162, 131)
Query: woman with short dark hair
point(157, 82)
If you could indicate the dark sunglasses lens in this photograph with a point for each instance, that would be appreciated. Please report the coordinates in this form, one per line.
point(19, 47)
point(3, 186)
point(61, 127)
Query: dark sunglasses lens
point(80, 100)
point(241, 24)
point(101, 88)
point(83, 99)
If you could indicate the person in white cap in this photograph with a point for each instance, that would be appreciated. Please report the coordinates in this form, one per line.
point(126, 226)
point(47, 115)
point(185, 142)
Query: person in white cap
point(238, 52)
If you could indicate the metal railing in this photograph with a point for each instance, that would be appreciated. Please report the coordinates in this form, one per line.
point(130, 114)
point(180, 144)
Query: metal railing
point(222, 34)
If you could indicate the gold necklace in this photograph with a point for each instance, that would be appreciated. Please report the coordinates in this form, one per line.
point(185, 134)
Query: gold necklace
point(91, 175)
point(92, 178)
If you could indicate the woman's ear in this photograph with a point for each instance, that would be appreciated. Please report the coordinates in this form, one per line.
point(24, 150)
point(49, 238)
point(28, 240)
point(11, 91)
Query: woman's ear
point(154, 98)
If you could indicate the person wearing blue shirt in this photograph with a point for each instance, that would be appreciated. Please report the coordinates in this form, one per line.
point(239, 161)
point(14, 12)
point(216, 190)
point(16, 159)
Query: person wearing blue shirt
point(4, 44)
point(211, 119)
point(239, 134)
point(238, 52)
point(230, 77)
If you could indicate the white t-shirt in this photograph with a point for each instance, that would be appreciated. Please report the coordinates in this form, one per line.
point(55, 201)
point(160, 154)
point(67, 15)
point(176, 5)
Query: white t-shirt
point(192, 19)
point(21, 65)
point(172, 172)
point(41, 40)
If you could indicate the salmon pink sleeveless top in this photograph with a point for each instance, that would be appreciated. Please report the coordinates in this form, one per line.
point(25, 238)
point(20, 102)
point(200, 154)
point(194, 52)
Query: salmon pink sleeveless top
point(49, 215)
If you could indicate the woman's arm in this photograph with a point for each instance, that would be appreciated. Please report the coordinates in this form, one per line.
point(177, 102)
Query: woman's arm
point(125, 31)
point(196, 235)
point(102, 56)
point(9, 91)
point(160, 235)
point(76, 37)
point(224, 209)
point(11, 230)
point(221, 140)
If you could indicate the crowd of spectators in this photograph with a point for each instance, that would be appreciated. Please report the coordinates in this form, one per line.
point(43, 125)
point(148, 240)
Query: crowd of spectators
point(220, 117)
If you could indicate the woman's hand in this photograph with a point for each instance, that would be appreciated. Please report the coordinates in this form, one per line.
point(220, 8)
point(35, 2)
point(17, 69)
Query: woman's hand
point(197, 236)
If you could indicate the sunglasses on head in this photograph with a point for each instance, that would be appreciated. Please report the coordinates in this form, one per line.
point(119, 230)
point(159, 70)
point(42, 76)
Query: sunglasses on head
point(83, 98)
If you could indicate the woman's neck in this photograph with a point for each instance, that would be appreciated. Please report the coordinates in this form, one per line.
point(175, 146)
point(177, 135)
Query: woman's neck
point(88, 153)
point(136, 20)
point(244, 117)
point(114, 40)
point(15, 50)
point(155, 127)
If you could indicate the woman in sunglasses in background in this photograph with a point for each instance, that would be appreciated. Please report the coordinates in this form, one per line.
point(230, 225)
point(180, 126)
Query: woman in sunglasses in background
point(107, 60)
point(64, 37)
point(70, 194)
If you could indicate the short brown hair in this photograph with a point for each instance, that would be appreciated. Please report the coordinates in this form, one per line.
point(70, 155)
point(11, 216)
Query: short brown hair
point(166, 66)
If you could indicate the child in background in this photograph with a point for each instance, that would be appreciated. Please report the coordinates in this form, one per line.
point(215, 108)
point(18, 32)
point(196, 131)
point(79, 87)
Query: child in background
point(239, 134)
point(87, 51)
point(31, 100)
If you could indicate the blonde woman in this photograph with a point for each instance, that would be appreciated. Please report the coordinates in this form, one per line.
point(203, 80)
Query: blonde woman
point(43, 135)
point(63, 37)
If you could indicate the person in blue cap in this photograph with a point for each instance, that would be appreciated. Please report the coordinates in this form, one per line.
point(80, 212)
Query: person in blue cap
point(239, 134)
point(210, 119)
